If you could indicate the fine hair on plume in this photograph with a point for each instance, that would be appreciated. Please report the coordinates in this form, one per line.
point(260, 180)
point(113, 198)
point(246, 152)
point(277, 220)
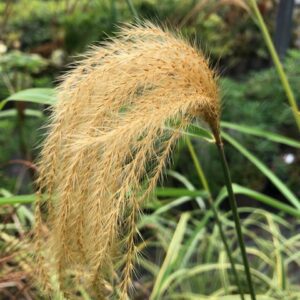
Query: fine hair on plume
point(108, 143)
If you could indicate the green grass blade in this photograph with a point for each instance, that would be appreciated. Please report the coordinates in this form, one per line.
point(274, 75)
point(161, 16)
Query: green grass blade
point(205, 185)
point(178, 192)
point(9, 113)
point(265, 170)
point(278, 65)
point(132, 9)
point(279, 274)
point(162, 192)
point(171, 256)
point(185, 274)
point(172, 205)
point(235, 215)
point(197, 131)
point(188, 249)
point(272, 202)
point(20, 199)
point(188, 185)
point(190, 296)
point(35, 95)
point(274, 137)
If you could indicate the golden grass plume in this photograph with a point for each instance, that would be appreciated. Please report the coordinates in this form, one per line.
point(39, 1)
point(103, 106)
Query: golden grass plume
point(108, 143)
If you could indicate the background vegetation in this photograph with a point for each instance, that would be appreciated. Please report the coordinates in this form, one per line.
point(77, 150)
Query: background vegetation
point(182, 249)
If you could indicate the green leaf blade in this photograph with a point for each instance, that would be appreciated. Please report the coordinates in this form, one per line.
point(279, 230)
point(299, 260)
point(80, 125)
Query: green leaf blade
point(265, 170)
point(35, 95)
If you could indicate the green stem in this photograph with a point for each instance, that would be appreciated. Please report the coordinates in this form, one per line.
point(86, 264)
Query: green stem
point(21, 199)
point(133, 10)
point(278, 65)
point(199, 169)
point(204, 183)
point(235, 215)
point(114, 12)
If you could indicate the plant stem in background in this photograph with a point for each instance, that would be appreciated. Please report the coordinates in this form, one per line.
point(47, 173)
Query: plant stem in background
point(235, 215)
point(133, 10)
point(114, 12)
point(278, 65)
point(204, 183)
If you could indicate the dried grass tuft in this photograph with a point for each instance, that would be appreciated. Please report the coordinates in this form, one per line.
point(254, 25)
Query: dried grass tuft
point(107, 144)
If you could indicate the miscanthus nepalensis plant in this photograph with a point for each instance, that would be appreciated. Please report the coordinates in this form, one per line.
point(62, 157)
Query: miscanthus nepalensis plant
point(108, 144)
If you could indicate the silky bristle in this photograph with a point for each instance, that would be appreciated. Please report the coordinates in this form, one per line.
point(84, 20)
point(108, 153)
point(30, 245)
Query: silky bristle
point(108, 143)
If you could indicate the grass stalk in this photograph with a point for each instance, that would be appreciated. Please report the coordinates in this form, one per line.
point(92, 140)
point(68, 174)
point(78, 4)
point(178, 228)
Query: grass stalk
point(133, 10)
point(278, 65)
point(204, 183)
point(235, 214)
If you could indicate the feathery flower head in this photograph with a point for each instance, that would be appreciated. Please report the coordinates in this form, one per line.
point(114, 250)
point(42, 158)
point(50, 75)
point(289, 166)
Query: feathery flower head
point(108, 143)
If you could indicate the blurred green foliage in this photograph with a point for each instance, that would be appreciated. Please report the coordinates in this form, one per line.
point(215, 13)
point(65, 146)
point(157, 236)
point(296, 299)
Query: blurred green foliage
point(223, 27)
point(41, 39)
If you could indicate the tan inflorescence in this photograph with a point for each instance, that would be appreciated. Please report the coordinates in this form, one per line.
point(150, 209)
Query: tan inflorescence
point(109, 142)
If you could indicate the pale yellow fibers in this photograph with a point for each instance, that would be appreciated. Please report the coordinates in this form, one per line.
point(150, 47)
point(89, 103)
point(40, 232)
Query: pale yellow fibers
point(107, 145)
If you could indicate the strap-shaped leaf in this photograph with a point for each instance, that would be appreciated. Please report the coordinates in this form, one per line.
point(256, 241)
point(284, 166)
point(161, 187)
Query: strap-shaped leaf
point(35, 95)
point(274, 137)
